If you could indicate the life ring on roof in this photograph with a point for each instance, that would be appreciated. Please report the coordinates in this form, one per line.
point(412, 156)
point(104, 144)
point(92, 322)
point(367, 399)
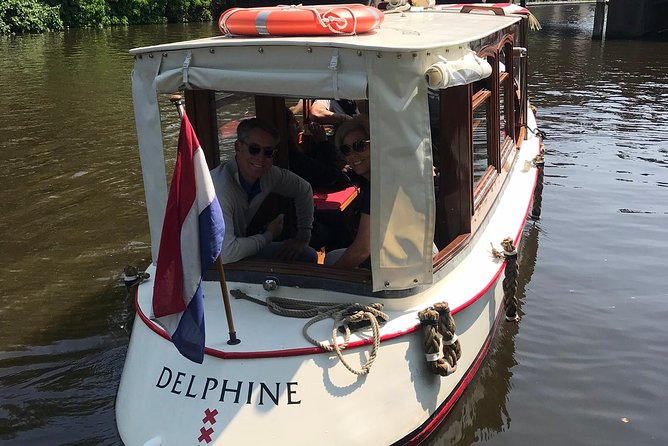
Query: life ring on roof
point(297, 20)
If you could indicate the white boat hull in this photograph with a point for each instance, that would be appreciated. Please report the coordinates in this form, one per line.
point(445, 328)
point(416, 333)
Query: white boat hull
point(258, 400)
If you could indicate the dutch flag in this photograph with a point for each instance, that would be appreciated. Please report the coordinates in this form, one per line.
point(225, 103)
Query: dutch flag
point(191, 240)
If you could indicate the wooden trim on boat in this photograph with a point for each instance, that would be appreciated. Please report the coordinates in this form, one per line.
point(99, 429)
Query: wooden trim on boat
point(520, 138)
point(487, 199)
point(484, 186)
point(358, 275)
point(453, 248)
point(479, 98)
point(201, 110)
point(506, 148)
point(455, 163)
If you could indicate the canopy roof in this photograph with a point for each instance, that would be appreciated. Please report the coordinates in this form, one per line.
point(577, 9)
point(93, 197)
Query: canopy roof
point(353, 67)
point(415, 31)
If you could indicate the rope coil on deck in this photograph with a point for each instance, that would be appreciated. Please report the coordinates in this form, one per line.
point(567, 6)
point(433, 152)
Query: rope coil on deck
point(349, 316)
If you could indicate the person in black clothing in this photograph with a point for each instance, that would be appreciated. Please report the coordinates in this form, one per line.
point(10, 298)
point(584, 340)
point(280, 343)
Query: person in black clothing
point(317, 162)
point(353, 141)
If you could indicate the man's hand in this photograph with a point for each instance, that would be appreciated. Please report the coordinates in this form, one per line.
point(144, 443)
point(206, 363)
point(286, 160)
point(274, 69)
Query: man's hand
point(291, 249)
point(275, 227)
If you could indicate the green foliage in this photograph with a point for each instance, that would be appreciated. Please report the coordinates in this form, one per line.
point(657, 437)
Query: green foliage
point(136, 12)
point(36, 16)
point(83, 13)
point(31, 16)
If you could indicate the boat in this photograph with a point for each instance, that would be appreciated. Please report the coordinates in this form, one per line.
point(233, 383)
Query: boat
point(385, 351)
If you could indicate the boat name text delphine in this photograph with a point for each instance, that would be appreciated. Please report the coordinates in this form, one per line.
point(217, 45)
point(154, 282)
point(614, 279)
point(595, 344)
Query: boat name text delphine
point(239, 392)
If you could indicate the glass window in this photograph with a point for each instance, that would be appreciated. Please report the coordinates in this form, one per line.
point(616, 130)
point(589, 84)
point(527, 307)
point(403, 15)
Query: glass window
point(480, 140)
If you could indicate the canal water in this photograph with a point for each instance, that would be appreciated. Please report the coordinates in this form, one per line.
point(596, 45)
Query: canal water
point(588, 363)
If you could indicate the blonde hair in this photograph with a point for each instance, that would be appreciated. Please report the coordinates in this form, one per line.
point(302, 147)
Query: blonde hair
point(359, 122)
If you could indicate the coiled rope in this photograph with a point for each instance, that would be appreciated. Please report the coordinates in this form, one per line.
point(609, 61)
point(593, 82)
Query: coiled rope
point(132, 277)
point(539, 162)
point(441, 346)
point(350, 316)
point(510, 279)
point(452, 350)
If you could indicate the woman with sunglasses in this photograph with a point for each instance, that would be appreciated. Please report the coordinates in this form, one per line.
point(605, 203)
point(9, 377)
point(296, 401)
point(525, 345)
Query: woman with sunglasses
point(353, 141)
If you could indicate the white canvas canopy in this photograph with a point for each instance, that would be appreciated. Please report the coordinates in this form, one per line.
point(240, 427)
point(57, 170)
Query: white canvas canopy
point(387, 67)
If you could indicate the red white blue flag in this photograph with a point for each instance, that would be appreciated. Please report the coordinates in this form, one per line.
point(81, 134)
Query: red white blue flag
point(192, 236)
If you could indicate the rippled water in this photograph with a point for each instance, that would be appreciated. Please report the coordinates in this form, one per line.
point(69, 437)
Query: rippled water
point(586, 365)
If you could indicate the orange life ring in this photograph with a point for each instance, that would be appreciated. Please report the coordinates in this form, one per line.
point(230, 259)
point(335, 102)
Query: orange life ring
point(322, 20)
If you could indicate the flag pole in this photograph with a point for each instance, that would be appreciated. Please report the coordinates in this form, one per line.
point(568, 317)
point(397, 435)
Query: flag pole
point(176, 100)
point(226, 301)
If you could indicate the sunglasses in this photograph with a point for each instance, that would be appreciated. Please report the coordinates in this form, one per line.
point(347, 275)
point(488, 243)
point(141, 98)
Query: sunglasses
point(255, 149)
point(358, 146)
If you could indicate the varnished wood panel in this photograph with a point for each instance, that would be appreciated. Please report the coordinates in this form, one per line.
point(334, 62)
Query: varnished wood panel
point(455, 163)
point(201, 111)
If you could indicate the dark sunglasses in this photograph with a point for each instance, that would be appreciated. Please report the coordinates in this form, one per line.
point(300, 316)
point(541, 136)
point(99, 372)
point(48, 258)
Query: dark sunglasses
point(358, 146)
point(255, 149)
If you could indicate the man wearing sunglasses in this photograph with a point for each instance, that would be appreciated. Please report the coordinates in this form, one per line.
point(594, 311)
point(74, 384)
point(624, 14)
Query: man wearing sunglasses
point(243, 183)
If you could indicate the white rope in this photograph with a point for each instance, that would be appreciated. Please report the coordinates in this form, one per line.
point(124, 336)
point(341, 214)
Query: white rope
point(222, 23)
point(339, 22)
point(433, 357)
point(451, 341)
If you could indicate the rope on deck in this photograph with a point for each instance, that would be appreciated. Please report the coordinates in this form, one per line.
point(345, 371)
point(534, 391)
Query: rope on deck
point(348, 316)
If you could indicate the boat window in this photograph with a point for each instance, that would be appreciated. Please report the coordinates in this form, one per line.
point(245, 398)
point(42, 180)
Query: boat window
point(517, 65)
point(452, 154)
point(215, 117)
point(508, 102)
point(480, 147)
point(230, 109)
point(484, 143)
